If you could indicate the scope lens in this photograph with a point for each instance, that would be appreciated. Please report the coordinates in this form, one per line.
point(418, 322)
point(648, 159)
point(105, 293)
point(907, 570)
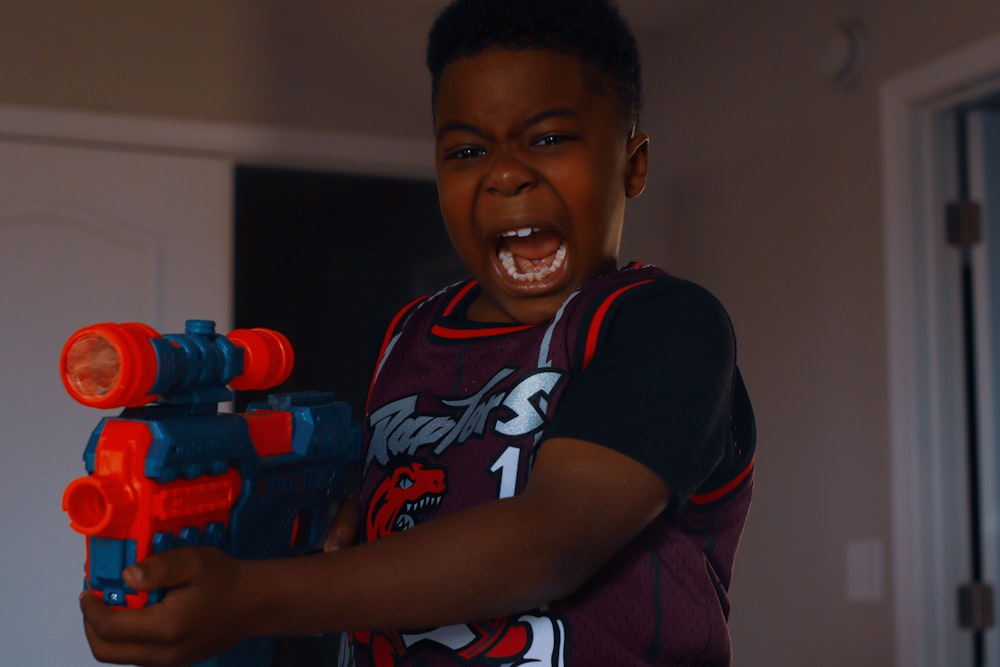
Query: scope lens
point(93, 366)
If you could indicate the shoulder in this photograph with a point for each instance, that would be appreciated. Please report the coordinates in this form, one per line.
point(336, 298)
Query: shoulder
point(649, 291)
point(444, 300)
point(649, 307)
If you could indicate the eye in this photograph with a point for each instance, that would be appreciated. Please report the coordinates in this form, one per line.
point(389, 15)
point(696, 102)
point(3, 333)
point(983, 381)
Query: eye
point(466, 153)
point(552, 140)
point(404, 482)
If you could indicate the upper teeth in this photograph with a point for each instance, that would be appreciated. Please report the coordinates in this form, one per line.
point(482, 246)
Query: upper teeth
point(521, 232)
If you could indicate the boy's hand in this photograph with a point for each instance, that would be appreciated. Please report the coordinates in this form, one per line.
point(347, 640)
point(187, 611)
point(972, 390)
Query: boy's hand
point(205, 611)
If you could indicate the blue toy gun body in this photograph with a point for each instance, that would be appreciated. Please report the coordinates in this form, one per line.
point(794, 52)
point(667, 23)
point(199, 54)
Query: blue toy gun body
point(176, 472)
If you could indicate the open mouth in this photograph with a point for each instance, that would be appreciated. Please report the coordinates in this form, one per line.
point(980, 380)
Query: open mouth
point(531, 254)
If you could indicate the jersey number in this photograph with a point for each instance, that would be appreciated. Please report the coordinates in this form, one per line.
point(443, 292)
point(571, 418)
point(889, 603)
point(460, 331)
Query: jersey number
point(506, 467)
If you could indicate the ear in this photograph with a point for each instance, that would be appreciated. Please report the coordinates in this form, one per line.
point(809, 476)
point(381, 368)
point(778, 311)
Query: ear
point(638, 162)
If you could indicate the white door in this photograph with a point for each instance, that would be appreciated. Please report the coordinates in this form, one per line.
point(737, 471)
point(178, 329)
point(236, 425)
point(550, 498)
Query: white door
point(86, 235)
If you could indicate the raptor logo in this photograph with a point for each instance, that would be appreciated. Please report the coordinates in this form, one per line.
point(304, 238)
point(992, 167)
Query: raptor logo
point(412, 490)
point(539, 641)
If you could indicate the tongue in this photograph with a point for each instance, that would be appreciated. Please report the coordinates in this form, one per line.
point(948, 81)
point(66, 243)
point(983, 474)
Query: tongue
point(535, 246)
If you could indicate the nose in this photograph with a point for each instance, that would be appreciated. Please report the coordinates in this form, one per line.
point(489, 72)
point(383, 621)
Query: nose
point(508, 176)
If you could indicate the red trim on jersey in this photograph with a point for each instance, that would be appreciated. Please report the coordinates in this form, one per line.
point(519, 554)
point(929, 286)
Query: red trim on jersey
point(458, 298)
point(712, 496)
point(462, 334)
point(595, 324)
point(442, 331)
point(389, 331)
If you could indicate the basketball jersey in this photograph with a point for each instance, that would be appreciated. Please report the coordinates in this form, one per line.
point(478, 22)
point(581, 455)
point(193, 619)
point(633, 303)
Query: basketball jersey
point(455, 413)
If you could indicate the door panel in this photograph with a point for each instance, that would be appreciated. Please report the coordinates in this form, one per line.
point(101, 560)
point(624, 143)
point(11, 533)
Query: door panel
point(86, 235)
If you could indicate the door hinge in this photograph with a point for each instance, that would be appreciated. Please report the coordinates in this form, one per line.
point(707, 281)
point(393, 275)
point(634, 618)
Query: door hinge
point(975, 606)
point(963, 222)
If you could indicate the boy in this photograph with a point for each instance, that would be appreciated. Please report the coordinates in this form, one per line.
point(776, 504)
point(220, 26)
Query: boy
point(556, 469)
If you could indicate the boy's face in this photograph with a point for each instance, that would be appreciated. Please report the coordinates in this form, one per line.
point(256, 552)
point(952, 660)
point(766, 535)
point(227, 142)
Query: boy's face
point(533, 168)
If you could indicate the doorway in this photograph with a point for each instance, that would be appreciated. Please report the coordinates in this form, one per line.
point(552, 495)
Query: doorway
point(939, 150)
point(977, 133)
point(327, 258)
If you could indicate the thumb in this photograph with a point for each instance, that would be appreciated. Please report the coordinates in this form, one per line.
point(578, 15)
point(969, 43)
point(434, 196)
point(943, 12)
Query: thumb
point(164, 570)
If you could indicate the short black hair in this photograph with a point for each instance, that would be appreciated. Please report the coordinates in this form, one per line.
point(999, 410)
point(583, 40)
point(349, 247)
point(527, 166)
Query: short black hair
point(593, 31)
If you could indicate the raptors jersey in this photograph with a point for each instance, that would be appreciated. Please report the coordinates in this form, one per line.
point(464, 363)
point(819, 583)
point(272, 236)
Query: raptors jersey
point(457, 409)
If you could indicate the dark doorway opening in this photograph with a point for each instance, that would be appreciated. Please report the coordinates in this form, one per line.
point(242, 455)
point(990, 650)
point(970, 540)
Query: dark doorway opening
point(327, 259)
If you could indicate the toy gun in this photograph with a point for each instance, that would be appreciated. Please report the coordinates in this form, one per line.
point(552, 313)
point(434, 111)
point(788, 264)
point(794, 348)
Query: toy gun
point(172, 471)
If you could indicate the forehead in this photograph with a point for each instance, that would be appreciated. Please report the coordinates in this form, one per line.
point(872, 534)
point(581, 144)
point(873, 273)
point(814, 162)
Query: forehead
point(504, 82)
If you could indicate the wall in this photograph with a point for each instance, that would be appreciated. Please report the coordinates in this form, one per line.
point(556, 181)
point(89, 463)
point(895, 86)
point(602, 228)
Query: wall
point(766, 188)
point(348, 67)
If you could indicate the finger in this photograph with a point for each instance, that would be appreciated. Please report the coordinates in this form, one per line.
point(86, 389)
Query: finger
point(106, 625)
point(94, 610)
point(339, 537)
point(344, 528)
point(127, 652)
point(115, 652)
point(120, 635)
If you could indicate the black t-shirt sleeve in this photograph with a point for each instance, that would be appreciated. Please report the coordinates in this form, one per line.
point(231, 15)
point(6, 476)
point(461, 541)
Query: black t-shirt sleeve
point(659, 386)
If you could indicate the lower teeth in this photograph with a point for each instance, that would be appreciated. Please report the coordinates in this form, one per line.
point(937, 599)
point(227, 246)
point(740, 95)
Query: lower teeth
point(507, 259)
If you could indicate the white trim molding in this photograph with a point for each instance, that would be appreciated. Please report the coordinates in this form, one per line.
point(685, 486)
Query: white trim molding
point(927, 432)
point(240, 143)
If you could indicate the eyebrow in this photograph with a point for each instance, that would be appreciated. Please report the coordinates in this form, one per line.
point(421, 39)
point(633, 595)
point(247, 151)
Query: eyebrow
point(455, 126)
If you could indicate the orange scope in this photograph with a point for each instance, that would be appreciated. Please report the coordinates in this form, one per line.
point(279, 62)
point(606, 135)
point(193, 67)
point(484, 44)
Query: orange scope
point(268, 358)
point(110, 365)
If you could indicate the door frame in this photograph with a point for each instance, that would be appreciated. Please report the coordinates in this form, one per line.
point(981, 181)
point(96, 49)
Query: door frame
point(929, 514)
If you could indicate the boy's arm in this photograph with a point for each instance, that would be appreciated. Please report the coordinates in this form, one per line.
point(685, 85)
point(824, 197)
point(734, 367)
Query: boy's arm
point(583, 503)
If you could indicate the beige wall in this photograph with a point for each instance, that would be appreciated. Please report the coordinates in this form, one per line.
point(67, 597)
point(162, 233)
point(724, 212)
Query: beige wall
point(253, 61)
point(765, 187)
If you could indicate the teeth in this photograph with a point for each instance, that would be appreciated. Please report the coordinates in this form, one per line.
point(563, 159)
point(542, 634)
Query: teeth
point(521, 232)
point(507, 259)
point(421, 504)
